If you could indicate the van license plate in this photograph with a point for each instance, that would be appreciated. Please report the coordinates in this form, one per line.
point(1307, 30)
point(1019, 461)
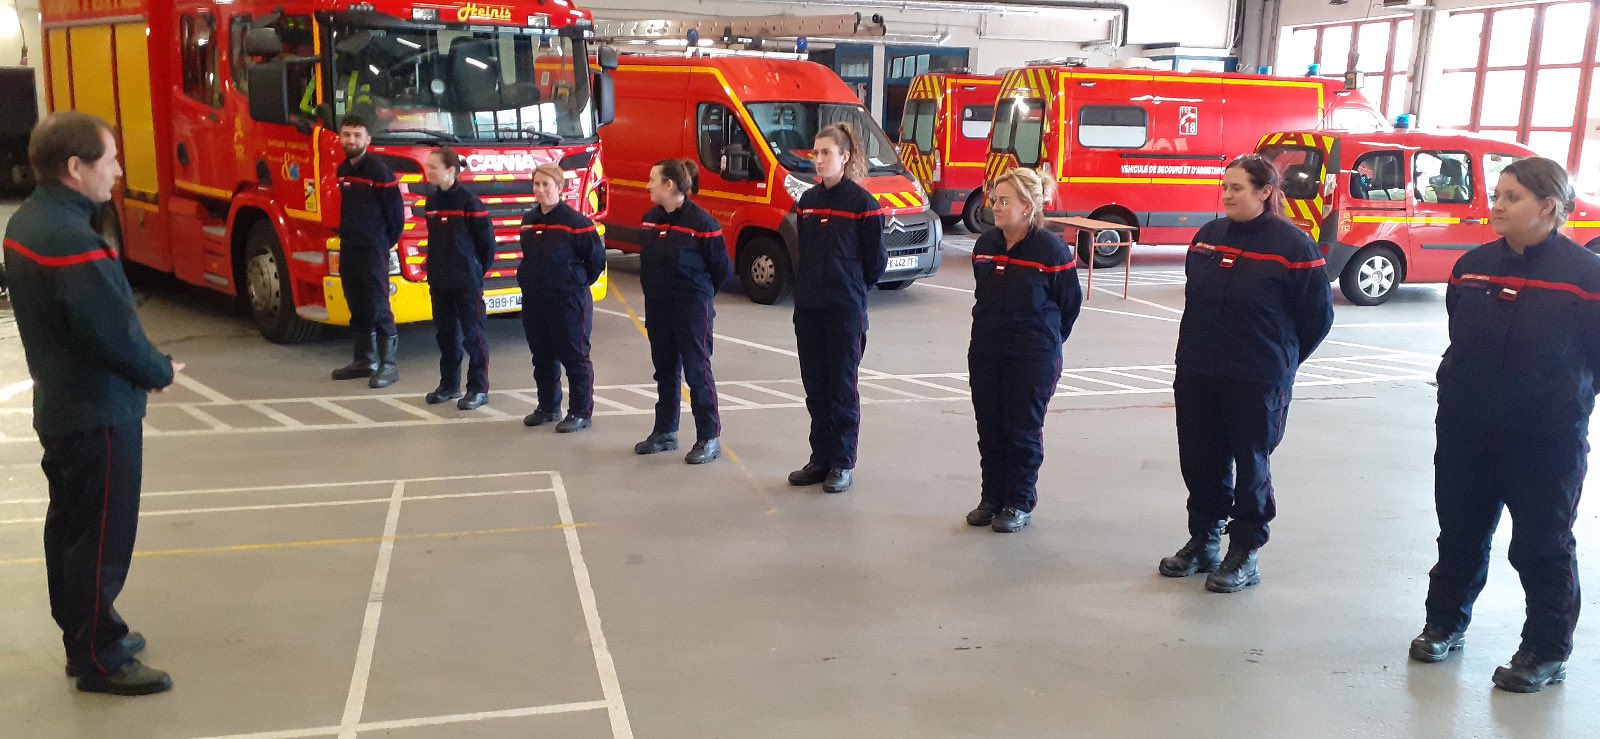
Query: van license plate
point(502, 303)
point(896, 263)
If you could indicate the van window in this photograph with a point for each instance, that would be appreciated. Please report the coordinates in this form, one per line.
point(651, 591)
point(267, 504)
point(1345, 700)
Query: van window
point(791, 130)
point(1493, 165)
point(1113, 127)
point(295, 33)
point(977, 121)
point(197, 38)
point(1378, 176)
point(717, 128)
point(916, 126)
point(1442, 176)
point(1300, 168)
point(1019, 130)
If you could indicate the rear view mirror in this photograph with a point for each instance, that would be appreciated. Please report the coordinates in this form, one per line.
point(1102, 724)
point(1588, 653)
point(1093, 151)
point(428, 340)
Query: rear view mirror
point(262, 42)
point(607, 57)
point(269, 91)
point(605, 95)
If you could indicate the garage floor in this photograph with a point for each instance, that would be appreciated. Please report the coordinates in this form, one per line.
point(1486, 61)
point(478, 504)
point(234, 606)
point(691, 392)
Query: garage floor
point(318, 559)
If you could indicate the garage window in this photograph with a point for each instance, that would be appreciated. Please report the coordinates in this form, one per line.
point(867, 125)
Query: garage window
point(1113, 127)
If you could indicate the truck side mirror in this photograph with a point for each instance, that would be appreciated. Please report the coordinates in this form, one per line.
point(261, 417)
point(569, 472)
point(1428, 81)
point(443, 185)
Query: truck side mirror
point(736, 164)
point(605, 96)
point(269, 92)
point(607, 56)
point(262, 42)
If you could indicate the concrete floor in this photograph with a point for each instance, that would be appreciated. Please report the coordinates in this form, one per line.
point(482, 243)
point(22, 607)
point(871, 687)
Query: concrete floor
point(317, 558)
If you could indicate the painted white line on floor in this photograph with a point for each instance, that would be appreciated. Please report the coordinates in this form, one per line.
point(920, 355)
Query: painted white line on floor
point(1097, 381)
point(341, 411)
point(966, 290)
point(519, 395)
point(356, 700)
point(610, 686)
point(288, 506)
point(1397, 324)
point(1142, 301)
point(770, 391)
point(401, 405)
point(618, 406)
point(716, 336)
point(1370, 347)
point(406, 723)
point(14, 389)
point(896, 391)
point(199, 388)
point(1086, 307)
point(209, 420)
point(273, 414)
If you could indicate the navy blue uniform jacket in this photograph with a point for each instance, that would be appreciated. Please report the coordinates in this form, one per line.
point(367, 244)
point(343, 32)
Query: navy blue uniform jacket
point(1257, 301)
point(562, 253)
point(682, 257)
point(371, 214)
point(460, 239)
point(1027, 298)
point(1524, 338)
point(841, 246)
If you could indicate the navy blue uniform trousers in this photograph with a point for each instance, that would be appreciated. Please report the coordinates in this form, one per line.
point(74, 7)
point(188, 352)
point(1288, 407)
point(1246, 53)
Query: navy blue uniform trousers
point(1227, 430)
point(458, 325)
point(89, 528)
point(557, 330)
point(1539, 478)
point(680, 338)
point(1010, 397)
point(830, 342)
point(366, 289)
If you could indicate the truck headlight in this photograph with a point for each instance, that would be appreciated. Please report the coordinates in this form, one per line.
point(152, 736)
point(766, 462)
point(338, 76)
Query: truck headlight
point(796, 186)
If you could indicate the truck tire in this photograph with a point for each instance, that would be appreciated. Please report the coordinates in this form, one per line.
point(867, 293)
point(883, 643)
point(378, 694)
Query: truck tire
point(972, 217)
point(1106, 256)
point(267, 291)
point(1371, 276)
point(895, 284)
point(765, 271)
point(110, 229)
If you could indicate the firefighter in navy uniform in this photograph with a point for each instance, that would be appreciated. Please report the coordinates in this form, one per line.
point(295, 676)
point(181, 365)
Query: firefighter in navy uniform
point(371, 219)
point(1516, 388)
point(562, 255)
point(460, 249)
point(841, 258)
point(1257, 304)
point(1027, 299)
point(92, 367)
point(682, 262)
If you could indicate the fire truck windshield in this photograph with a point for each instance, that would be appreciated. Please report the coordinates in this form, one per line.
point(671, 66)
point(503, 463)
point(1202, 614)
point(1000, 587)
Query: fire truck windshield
point(468, 84)
point(791, 129)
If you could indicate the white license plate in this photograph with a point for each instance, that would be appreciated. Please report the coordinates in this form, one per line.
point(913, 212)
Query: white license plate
point(902, 263)
point(502, 303)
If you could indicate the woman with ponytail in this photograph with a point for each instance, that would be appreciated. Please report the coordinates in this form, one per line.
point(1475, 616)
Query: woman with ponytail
point(682, 263)
point(841, 258)
point(1256, 304)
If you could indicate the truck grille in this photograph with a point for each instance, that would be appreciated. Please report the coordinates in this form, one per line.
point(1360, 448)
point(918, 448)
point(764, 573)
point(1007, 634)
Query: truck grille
point(517, 197)
point(914, 236)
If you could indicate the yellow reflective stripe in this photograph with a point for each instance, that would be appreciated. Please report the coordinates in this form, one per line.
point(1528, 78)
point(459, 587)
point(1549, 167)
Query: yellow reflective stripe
point(1418, 221)
point(896, 202)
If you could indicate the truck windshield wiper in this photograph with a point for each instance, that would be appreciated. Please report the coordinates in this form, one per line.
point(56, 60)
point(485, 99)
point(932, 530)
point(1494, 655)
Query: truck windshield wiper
point(543, 136)
point(435, 135)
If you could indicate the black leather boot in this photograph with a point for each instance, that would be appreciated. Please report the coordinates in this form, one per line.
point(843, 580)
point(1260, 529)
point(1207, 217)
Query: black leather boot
point(1238, 571)
point(388, 372)
point(1435, 644)
point(1011, 520)
point(983, 515)
point(656, 442)
point(704, 451)
point(839, 480)
point(1527, 673)
point(1203, 553)
point(132, 644)
point(573, 423)
point(133, 678)
point(811, 474)
point(364, 349)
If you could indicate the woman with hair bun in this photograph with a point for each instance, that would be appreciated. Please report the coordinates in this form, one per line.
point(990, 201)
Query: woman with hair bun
point(682, 263)
point(460, 250)
point(1256, 305)
point(1516, 389)
point(1026, 301)
point(841, 257)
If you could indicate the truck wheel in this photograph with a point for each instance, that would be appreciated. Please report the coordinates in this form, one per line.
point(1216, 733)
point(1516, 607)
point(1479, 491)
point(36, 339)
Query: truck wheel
point(267, 289)
point(764, 270)
point(1106, 256)
point(973, 217)
point(895, 285)
point(110, 229)
point(1371, 277)
point(949, 222)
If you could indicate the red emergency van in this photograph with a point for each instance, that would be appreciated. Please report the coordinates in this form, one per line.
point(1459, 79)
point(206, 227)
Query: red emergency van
point(750, 123)
point(944, 140)
point(1147, 148)
point(1392, 208)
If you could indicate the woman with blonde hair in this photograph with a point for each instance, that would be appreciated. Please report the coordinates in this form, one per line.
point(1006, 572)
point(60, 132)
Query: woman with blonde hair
point(841, 258)
point(1027, 299)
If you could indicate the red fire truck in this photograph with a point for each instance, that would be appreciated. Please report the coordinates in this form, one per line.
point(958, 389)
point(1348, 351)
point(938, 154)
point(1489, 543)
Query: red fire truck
point(944, 140)
point(1147, 148)
point(227, 113)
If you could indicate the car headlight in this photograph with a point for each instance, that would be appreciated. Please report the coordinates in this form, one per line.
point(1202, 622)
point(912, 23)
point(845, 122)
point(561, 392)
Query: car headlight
point(922, 194)
point(796, 186)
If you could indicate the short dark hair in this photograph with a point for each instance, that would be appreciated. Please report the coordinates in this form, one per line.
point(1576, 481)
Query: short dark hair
point(60, 137)
point(448, 157)
point(682, 173)
point(354, 120)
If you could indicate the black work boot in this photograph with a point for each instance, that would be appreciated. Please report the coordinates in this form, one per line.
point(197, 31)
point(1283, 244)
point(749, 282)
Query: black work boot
point(1435, 644)
point(1238, 571)
point(133, 678)
point(540, 417)
point(364, 349)
point(983, 515)
point(572, 423)
point(839, 480)
point(657, 442)
point(388, 372)
point(811, 474)
point(1203, 553)
point(132, 644)
point(1527, 673)
point(1011, 520)
point(704, 451)
point(442, 394)
point(472, 401)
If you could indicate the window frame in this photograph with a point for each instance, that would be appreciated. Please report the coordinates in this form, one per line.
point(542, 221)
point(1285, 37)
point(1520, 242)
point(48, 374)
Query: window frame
point(729, 119)
point(194, 81)
point(1083, 110)
point(1441, 154)
point(1400, 165)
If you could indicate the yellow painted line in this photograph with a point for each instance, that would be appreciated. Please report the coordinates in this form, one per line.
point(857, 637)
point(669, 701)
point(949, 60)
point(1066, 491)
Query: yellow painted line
point(974, 165)
point(1411, 221)
point(316, 543)
point(892, 198)
point(141, 205)
point(619, 182)
point(1182, 181)
point(200, 189)
point(1584, 224)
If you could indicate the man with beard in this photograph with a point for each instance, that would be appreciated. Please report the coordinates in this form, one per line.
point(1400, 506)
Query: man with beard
point(371, 218)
